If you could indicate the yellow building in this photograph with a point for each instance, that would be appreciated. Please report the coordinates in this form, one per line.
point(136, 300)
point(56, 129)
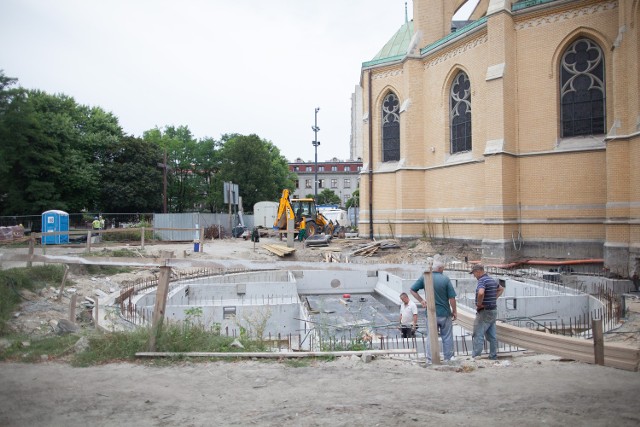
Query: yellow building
point(519, 131)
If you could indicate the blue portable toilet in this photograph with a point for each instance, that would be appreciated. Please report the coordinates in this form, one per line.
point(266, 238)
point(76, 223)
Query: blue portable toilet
point(55, 220)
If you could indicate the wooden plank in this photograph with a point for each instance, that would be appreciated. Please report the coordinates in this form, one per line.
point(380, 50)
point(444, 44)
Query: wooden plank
point(279, 250)
point(616, 355)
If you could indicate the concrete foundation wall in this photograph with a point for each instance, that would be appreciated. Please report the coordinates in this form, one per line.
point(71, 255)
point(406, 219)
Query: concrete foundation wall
point(278, 317)
point(332, 282)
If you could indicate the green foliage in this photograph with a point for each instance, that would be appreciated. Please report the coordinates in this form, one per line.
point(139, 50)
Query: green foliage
point(32, 279)
point(175, 338)
point(53, 347)
point(328, 197)
point(256, 165)
point(354, 201)
point(51, 152)
point(193, 315)
point(110, 347)
point(58, 154)
point(131, 179)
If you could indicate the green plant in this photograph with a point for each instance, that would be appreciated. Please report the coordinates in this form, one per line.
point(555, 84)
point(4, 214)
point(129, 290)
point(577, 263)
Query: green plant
point(391, 229)
point(25, 349)
point(256, 323)
point(193, 316)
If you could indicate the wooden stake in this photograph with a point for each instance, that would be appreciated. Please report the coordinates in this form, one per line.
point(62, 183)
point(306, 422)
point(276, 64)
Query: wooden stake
point(72, 308)
point(160, 306)
point(64, 279)
point(290, 232)
point(89, 241)
point(432, 323)
point(32, 245)
point(598, 341)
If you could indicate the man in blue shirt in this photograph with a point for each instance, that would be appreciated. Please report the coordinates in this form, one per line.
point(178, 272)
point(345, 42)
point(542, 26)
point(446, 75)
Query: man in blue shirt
point(488, 291)
point(446, 311)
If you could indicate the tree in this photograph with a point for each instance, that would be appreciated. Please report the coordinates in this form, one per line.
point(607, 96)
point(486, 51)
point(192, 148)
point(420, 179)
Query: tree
point(131, 179)
point(207, 167)
point(256, 165)
point(354, 200)
point(185, 186)
point(328, 197)
point(50, 151)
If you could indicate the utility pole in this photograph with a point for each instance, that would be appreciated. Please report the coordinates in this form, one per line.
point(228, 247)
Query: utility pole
point(315, 143)
point(164, 182)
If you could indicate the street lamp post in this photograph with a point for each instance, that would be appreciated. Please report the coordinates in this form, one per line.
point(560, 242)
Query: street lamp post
point(315, 143)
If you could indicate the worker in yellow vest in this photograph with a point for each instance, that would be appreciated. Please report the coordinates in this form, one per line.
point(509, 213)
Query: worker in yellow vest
point(303, 229)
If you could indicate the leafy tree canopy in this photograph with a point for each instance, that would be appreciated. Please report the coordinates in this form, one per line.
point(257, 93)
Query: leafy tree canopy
point(256, 165)
point(354, 200)
point(328, 197)
point(131, 179)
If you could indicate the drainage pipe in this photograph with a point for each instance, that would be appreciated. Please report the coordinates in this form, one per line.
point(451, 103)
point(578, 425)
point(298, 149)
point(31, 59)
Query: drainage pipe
point(370, 160)
point(272, 355)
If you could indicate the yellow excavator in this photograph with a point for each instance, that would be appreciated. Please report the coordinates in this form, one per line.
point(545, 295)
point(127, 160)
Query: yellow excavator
point(297, 209)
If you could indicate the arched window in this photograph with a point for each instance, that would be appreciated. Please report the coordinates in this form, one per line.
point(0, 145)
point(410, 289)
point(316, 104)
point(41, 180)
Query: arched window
point(460, 114)
point(582, 91)
point(391, 128)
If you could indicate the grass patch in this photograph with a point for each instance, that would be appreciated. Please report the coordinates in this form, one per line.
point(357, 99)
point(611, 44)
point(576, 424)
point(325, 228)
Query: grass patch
point(175, 338)
point(13, 280)
point(53, 347)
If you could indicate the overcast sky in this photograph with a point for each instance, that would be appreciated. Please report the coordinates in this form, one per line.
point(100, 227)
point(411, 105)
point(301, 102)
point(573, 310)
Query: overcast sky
point(216, 66)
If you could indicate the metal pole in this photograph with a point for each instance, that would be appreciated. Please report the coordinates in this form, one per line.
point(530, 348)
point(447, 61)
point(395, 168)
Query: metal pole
point(315, 144)
point(164, 183)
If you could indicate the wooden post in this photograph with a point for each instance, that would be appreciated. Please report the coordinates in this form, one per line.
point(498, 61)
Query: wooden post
point(432, 323)
point(142, 239)
point(64, 279)
point(290, 232)
point(201, 238)
point(96, 314)
point(160, 306)
point(32, 245)
point(598, 341)
point(72, 307)
point(89, 241)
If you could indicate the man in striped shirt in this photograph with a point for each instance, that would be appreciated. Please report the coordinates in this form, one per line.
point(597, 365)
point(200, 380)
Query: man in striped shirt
point(488, 291)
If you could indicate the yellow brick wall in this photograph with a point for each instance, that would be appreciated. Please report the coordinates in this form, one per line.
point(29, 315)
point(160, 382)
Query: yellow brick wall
point(538, 184)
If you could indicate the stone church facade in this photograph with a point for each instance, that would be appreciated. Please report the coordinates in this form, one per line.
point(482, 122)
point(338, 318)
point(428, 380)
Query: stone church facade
point(518, 130)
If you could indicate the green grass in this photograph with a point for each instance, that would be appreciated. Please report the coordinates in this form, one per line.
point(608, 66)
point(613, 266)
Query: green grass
point(122, 346)
point(53, 347)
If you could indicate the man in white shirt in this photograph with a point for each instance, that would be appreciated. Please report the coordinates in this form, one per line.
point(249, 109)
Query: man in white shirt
point(408, 316)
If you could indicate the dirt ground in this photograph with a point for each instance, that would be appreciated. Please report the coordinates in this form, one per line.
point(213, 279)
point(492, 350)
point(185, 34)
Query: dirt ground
point(525, 389)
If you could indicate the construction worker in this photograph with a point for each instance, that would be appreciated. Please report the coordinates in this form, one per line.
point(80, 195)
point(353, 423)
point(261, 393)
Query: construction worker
point(96, 225)
point(101, 222)
point(303, 229)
